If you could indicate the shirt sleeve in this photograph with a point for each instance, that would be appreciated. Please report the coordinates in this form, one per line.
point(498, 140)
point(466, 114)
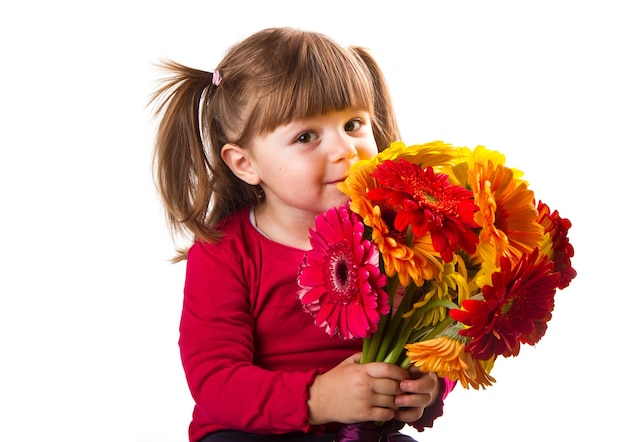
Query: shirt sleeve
point(217, 351)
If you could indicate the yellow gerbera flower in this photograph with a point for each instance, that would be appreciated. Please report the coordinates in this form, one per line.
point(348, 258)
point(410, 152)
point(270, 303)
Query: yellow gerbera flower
point(435, 154)
point(451, 287)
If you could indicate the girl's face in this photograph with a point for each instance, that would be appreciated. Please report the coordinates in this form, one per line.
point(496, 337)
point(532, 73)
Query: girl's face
point(299, 164)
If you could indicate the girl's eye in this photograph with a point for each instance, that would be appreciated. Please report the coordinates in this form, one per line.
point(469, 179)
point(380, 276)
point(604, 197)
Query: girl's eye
point(306, 137)
point(353, 125)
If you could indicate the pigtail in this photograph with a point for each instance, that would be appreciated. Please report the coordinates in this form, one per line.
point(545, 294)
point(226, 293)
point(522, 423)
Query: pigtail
point(180, 162)
point(386, 128)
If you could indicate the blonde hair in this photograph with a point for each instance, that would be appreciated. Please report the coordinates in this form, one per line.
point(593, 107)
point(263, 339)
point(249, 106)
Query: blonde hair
point(269, 79)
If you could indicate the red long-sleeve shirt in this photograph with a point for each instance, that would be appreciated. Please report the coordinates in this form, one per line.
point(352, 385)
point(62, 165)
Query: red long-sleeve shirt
point(248, 349)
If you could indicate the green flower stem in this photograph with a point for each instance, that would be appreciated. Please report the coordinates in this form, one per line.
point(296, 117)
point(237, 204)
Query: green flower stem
point(367, 343)
point(391, 287)
point(393, 333)
point(438, 328)
point(397, 349)
point(394, 355)
point(406, 363)
point(372, 344)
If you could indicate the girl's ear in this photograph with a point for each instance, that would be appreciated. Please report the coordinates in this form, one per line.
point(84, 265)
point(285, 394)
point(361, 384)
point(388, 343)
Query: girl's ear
point(238, 161)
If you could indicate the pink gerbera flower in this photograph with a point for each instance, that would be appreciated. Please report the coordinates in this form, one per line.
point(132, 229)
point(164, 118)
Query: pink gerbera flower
point(340, 279)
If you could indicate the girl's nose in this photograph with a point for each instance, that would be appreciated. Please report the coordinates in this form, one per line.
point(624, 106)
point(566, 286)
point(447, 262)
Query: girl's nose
point(342, 148)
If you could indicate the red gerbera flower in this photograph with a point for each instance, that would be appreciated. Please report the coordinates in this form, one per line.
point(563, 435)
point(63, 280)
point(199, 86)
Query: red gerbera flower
point(429, 203)
point(341, 283)
point(563, 250)
point(515, 309)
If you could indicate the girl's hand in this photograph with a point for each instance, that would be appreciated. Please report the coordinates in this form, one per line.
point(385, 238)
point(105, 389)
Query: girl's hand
point(422, 389)
point(353, 392)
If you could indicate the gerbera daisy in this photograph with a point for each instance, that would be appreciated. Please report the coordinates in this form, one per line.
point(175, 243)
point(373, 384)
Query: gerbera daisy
point(507, 214)
point(561, 249)
point(446, 355)
point(341, 283)
point(427, 202)
point(435, 154)
point(411, 259)
point(515, 308)
point(451, 287)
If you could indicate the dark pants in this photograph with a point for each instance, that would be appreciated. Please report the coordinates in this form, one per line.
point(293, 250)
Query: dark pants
point(242, 436)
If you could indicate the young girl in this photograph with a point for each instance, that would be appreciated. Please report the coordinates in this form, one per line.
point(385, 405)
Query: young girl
point(246, 157)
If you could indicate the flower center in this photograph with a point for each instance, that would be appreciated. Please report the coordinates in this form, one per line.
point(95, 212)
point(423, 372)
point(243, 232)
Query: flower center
point(342, 274)
point(388, 215)
point(433, 195)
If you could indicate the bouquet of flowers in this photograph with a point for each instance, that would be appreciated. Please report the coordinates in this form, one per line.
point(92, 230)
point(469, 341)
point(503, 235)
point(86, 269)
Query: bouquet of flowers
point(443, 259)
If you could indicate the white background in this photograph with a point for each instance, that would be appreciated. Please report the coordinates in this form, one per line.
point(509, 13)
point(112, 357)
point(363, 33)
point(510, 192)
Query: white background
point(90, 304)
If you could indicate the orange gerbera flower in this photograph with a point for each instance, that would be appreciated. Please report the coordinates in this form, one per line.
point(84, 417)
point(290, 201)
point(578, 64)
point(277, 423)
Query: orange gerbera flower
point(507, 214)
point(447, 357)
point(417, 261)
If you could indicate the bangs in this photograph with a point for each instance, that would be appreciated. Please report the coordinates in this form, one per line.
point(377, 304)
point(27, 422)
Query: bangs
point(309, 79)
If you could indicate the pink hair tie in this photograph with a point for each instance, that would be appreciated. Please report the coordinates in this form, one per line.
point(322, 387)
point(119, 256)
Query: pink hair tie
point(217, 78)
